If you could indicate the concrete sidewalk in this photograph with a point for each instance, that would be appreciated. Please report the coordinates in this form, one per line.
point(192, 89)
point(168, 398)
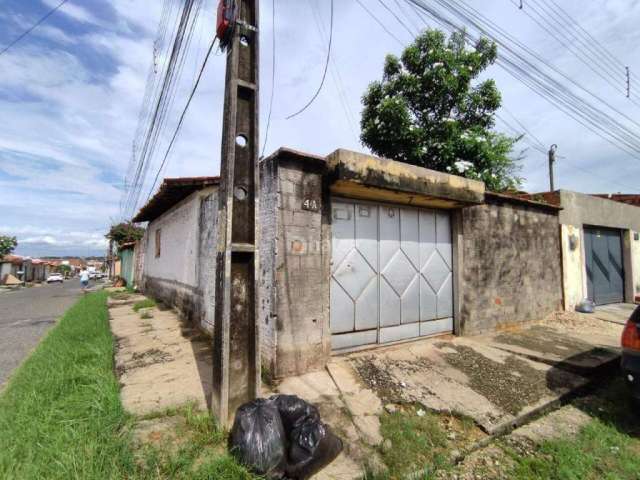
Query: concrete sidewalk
point(501, 381)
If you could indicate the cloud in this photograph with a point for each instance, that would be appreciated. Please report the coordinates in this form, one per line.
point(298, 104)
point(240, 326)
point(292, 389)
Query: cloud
point(71, 94)
point(73, 11)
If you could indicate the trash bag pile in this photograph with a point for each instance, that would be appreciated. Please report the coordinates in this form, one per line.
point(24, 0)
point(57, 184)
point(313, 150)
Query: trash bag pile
point(282, 438)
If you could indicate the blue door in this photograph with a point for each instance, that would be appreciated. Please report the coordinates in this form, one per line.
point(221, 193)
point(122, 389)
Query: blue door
point(605, 270)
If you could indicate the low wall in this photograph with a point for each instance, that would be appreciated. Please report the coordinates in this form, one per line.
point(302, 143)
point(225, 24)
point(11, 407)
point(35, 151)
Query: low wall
point(511, 266)
point(186, 298)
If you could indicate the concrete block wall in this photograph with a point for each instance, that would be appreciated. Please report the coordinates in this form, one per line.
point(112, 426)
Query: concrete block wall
point(269, 208)
point(511, 266)
point(299, 299)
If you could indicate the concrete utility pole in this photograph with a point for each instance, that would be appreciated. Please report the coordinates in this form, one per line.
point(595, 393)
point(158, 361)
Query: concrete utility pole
point(552, 160)
point(236, 361)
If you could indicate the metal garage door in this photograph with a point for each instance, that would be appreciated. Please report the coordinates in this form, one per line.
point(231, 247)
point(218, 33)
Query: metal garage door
point(391, 273)
point(605, 271)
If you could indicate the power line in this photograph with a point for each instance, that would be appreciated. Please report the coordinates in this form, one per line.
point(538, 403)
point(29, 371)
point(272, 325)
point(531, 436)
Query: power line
point(517, 59)
point(324, 75)
point(379, 22)
point(34, 26)
point(335, 74)
point(273, 75)
point(182, 116)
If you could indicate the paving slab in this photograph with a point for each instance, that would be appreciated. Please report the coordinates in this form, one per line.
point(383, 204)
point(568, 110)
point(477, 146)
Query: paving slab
point(495, 388)
point(158, 366)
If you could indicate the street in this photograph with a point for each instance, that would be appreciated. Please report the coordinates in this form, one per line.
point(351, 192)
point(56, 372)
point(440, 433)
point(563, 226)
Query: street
point(25, 316)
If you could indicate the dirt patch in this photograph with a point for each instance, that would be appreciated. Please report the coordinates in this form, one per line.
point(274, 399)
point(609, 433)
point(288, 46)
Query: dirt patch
point(511, 385)
point(378, 378)
point(144, 359)
point(546, 340)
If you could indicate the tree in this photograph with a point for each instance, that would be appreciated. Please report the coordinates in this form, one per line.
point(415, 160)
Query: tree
point(125, 232)
point(426, 111)
point(7, 245)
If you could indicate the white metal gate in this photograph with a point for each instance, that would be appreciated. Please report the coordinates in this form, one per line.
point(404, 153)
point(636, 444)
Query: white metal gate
point(391, 273)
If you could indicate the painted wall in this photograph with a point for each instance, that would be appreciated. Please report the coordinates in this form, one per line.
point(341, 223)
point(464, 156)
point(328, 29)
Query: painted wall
point(510, 266)
point(182, 275)
point(580, 210)
point(635, 261)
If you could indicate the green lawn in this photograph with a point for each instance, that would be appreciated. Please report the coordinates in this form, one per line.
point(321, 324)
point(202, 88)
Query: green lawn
point(61, 416)
point(608, 447)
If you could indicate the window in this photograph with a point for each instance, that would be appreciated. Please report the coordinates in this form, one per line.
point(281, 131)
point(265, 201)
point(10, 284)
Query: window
point(158, 236)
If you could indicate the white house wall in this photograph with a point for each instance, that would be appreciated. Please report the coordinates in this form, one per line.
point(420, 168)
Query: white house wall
point(183, 275)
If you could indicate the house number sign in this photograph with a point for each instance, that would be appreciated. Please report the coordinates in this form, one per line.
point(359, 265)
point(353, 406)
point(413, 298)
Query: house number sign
point(310, 204)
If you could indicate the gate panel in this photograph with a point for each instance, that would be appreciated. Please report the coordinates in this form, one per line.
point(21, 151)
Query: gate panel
point(604, 265)
point(391, 273)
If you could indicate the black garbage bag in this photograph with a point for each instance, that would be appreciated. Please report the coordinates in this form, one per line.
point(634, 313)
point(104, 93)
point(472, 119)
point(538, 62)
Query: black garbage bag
point(586, 306)
point(293, 410)
point(258, 439)
point(312, 447)
point(282, 437)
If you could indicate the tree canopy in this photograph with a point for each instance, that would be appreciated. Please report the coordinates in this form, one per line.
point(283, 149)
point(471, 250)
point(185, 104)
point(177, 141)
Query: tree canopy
point(426, 111)
point(125, 232)
point(7, 245)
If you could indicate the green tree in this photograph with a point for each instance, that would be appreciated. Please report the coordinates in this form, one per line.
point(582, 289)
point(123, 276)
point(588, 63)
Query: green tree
point(427, 112)
point(125, 232)
point(7, 245)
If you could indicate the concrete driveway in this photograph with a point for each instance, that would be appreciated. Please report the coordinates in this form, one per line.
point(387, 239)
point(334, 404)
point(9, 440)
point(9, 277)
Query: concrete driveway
point(26, 315)
point(499, 381)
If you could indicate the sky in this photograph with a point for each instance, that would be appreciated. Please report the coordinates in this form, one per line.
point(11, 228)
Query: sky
point(71, 94)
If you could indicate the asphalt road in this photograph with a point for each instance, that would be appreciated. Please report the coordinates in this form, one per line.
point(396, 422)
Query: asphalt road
point(26, 315)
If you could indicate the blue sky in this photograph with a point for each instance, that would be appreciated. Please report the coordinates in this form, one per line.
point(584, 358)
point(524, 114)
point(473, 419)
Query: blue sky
point(71, 92)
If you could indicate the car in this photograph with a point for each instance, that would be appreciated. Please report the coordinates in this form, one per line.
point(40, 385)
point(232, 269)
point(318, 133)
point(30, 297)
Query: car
point(55, 278)
point(631, 354)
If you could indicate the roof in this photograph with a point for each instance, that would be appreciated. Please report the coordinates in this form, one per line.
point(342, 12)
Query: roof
point(171, 192)
point(13, 259)
point(630, 198)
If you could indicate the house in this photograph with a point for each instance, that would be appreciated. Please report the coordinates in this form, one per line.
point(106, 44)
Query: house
point(600, 246)
point(177, 252)
point(357, 251)
point(10, 265)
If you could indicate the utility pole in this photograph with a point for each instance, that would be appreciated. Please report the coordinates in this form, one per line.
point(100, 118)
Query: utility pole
point(236, 354)
point(628, 82)
point(552, 160)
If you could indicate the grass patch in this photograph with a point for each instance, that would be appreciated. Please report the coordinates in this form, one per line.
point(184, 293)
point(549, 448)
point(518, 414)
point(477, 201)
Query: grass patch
point(61, 416)
point(412, 443)
point(606, 448)
point(146, 303)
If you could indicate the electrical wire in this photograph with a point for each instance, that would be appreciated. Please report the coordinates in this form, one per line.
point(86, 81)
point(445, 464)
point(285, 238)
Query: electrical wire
point(379, 22)
point(163, 101)
point(519, 61)
point(34, 26)
point(182, 116)
point(273, 75)
point(336, 76)
point(324, 74)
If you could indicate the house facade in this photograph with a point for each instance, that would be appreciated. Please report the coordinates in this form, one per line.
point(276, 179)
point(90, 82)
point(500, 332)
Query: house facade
point(600, 247)
point(177, 253)
point(358, 251)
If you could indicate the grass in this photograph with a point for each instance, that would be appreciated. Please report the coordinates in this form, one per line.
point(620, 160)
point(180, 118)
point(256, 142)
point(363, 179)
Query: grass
point(146, 303)
point(608, 447)
point(412, 443)
point(61, 416)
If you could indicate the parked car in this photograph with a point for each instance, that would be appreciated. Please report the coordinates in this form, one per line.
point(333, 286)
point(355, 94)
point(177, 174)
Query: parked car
point(631, 354)
point(55, 278)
